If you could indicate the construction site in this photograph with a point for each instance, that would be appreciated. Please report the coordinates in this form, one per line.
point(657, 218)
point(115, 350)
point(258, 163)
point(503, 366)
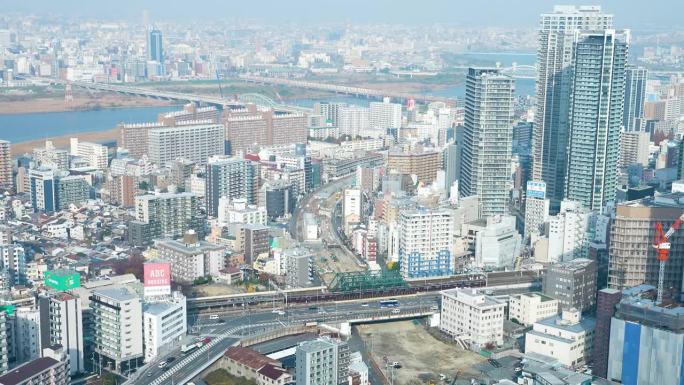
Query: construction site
point(421, 357)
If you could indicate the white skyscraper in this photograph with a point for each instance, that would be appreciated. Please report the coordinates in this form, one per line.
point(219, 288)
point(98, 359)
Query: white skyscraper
point(488, 139)
point(554, 74)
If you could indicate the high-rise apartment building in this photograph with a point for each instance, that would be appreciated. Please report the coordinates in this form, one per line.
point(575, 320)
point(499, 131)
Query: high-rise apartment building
point(488, 139)
point(5, 165)
point(330, 111)
point(195, 142)
point(117, 328)
point(554, 73)
point(425, 243)
point(44, 182)
point(230, 178)
point(353, 120)
point(424, 164)
point(169, 215)
point(65, 326)
point(632, 258)
point(634, 148)
point(250, 128)
point(635, 96)
point(595, 116)
point(191, 258)
point(384, 115)
point(95, 154)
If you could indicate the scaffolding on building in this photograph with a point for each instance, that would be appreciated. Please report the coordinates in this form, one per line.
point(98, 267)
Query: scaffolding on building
point(367, 280)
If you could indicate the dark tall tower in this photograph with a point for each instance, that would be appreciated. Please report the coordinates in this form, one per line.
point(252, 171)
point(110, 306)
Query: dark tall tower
point(154, 46)
point(605, 309)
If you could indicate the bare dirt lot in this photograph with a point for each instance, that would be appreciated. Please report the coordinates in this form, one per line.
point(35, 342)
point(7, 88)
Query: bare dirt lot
point(422, 356)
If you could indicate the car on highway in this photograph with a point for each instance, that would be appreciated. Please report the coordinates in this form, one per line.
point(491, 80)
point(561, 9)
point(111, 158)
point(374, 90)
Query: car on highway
point(170, 359)
point(396, 311)
point(206, 340)
point(313, 307)
point(162, 364)
point(278, 311)
point(214, 317)
point(434, 307)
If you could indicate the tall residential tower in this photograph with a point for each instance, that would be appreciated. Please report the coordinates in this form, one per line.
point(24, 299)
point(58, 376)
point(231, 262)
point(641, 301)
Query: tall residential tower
point(554, 78)
point(488, 139)
point(595, 116)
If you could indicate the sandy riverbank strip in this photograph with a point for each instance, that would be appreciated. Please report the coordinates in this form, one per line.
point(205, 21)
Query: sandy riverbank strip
point(21, 148)
point(80, 103)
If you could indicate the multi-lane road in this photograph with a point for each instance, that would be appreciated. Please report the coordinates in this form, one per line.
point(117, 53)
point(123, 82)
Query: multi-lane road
point(229, 328)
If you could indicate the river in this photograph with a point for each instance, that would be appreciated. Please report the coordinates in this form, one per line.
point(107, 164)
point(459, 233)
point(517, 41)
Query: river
point(35, 126)
point(25, 127)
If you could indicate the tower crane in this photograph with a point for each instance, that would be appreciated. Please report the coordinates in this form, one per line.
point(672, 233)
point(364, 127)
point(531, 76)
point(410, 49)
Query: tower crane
point(662, 244)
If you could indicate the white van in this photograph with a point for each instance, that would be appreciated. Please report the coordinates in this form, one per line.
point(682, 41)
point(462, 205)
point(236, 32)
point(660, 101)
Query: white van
point(213, 317)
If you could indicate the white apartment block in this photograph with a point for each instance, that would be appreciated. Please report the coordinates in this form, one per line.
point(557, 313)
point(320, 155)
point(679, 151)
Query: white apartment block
point(27, 335)
point(193, 142)
point(353, 120)
point(529, 308)
point(472, 317)
point(117, 327)
point(634, 148)
point(191, 258)
point(239, 211)
point(426, 242)
point(568, 238)
point(66, 328)
point(165, 324)
point(567, 338)
point(384, 115)
point(95, 154)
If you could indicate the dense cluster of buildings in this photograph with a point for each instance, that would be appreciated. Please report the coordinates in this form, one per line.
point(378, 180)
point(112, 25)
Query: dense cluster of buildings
point(570, 190)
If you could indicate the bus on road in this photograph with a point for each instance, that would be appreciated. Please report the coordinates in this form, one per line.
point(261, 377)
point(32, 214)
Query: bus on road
point(389, 303)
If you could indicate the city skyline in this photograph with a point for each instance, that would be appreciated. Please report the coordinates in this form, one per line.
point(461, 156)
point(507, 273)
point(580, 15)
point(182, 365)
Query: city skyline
point(633, 14)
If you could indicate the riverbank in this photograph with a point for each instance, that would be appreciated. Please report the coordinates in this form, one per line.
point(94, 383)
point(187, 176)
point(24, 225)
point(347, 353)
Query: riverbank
point(63, 141)
point(81, 102)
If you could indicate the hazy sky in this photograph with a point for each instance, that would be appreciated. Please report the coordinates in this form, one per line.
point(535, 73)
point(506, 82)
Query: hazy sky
point(637, 14)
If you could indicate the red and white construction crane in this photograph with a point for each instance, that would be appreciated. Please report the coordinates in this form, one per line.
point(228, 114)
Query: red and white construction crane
point(662, 245)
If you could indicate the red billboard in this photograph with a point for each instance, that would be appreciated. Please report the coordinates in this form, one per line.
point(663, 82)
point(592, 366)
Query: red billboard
point(157, 280)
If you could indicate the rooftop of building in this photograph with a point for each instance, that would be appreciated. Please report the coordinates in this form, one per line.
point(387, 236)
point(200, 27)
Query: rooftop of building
point(675, 199)
point(24, 372)
point(573, 265)
point(585, 324)
point(121, 293)
point(551, 371)
point(188, 248)
point(638, 304)
point(472, 294)
point(249, 357)
point(158, 308)
point(315, 345)
point(273, 372)
point(543, 297)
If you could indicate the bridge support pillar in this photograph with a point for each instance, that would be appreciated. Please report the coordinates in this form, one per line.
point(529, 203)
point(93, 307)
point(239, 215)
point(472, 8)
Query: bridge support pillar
point(434, 320)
